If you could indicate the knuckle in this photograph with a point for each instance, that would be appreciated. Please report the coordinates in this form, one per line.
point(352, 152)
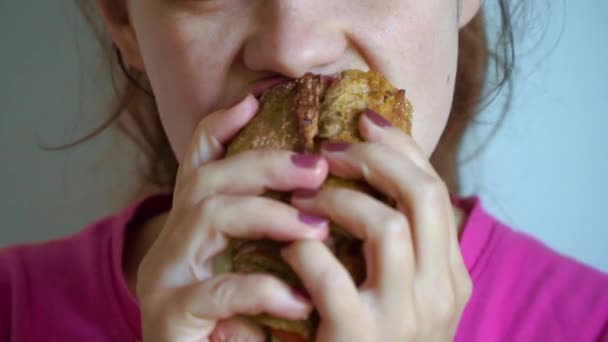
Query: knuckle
point(432, 188)
point(333, 281)
point(465, 288)
point(445, 308)
point(270, 163)
point(205, 142)
point(373, 148)
point(201, 130)
point(371, 153)
point(266, 286)
point(222, 291)
point(440, 300)
point(264, 154)
point(262, 291)
point(332, 197)
point(394, 224)
point(207, 206)
point(275, 177)
point(195, 183)
point(196, 180)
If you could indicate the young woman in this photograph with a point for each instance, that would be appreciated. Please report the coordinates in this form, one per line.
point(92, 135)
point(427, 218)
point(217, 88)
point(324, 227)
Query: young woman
point(440, 267)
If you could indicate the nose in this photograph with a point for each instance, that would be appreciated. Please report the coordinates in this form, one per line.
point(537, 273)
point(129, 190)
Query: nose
point(292, 37)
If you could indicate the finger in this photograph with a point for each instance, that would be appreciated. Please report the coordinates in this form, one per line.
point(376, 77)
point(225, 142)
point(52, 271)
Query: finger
point(206, 229)
point(258, 218)
point(329, 284)
point(253, 172)
point(385, 231)
point(228, 295)
point(463, 285)
point(375, 128)
point(214, 131)
point(237, 330)
point(423, 197)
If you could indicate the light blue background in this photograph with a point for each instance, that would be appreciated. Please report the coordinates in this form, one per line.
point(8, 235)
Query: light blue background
point(544, 172)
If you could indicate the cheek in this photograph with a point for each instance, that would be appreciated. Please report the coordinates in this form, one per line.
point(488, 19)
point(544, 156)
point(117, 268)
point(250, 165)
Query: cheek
point(419, 53)
point(186, 78)
point(433, 91)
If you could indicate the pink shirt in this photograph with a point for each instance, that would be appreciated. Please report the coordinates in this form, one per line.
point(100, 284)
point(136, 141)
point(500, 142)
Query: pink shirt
point(73, 289)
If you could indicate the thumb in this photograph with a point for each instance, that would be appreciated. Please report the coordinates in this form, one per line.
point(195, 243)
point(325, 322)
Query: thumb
point(215, 130)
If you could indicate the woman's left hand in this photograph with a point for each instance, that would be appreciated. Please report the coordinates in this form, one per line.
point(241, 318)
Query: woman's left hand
point(417, 284)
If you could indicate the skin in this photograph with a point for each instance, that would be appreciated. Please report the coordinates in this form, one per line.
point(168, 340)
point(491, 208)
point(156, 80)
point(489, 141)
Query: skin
point(198, 68)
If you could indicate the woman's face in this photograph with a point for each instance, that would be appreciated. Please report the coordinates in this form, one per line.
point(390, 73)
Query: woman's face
point(203, 55)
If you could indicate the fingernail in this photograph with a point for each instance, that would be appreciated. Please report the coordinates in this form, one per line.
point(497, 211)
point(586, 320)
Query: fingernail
point(376, 118)
point(335, 146)
point(300, 294)
point(312, 220)
point(305, 160)
point(305, 193)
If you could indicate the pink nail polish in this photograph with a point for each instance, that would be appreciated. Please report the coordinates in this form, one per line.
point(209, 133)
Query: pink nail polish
point(305, 160)
point(312, 220)
point(335, 146)
point(305, 193)
point(376, 118)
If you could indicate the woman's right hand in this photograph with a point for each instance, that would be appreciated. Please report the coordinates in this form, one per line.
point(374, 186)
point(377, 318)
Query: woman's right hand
point(215, 199)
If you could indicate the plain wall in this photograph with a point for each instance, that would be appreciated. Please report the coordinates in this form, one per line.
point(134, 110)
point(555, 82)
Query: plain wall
point(544, 172)
point(53, 90)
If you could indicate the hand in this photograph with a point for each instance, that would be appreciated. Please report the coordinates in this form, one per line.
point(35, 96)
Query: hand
point(180, 297)
point(417, 285)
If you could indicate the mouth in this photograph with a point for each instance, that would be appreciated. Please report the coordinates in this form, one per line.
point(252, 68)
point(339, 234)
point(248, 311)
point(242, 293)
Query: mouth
point(261, 86)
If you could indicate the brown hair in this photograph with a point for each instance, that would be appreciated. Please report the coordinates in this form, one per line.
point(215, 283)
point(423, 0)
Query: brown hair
point(136, 114)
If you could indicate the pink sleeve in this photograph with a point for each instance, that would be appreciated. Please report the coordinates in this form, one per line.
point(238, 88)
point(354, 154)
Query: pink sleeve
point(5, 295)
point(526, 291)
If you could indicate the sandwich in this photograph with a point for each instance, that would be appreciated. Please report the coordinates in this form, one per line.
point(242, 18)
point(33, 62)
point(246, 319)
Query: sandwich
point(299, 115)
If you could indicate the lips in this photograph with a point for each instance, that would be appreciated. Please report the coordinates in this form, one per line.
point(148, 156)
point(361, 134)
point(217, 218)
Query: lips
point(261, 86)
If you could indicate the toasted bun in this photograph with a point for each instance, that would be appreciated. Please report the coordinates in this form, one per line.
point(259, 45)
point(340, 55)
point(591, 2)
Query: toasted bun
point(299, 116)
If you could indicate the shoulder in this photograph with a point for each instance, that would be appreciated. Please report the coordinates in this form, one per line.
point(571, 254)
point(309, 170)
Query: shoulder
point(528, 291)
point(45, 286)
point(73, 288)
point(71, 259)
point(58, 259)
point(30, 272)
